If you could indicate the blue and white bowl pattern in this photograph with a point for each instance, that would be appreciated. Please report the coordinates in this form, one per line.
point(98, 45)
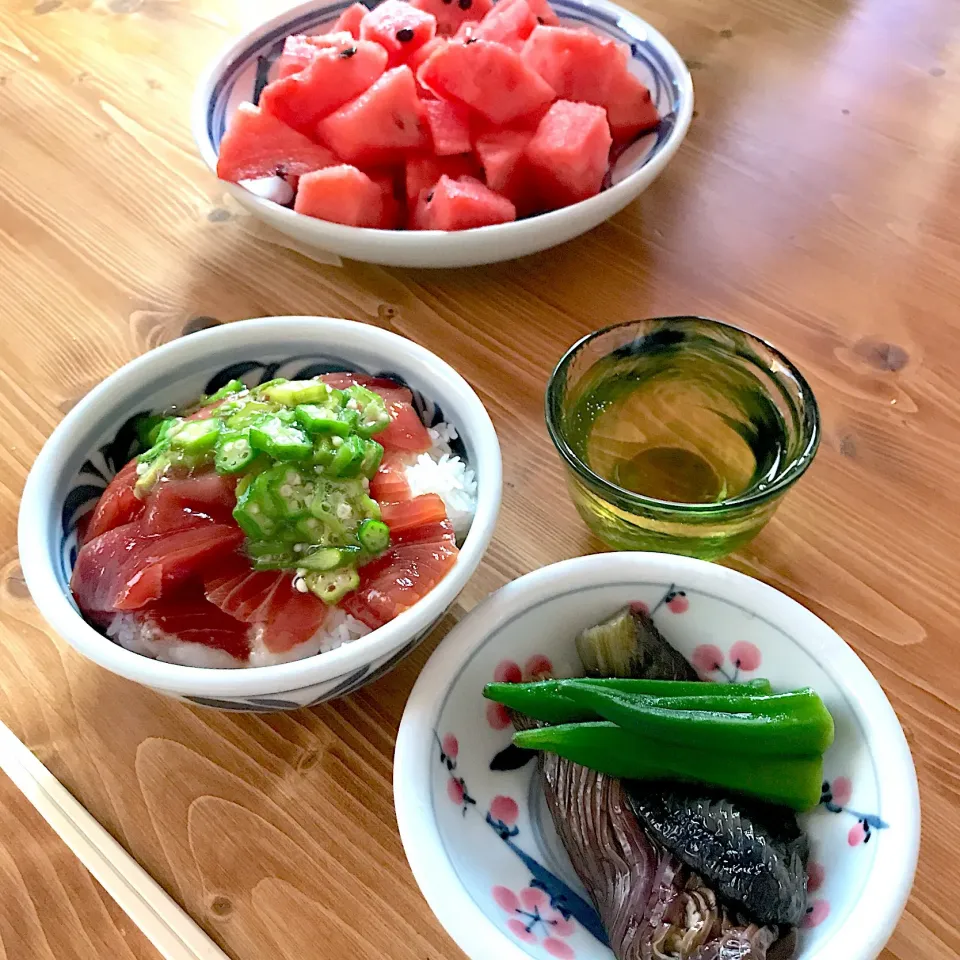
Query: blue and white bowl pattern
point(252, 68)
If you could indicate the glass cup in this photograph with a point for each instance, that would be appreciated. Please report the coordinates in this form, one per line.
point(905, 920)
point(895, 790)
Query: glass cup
point(680, 434)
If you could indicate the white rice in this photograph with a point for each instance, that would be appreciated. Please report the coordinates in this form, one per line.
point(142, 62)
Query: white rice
point(439, 471)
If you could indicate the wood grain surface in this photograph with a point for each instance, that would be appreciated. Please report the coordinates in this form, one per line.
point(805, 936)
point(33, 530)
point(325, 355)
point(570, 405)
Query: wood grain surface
point(816, 201)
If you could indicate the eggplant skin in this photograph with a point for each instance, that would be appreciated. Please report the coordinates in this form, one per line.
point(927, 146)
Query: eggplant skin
point(754, 858)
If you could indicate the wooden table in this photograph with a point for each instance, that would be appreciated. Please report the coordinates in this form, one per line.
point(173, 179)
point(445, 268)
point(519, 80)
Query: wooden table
point(816, 201)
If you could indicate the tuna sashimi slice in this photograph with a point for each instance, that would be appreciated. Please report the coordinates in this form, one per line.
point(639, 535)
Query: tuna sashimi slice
point(179, 502)
point(268, 599)
point(389, 483)
point(390, 390)
point(416, 512)
point(124, 569)
point(397, 580)
point(405, 432)
point(118, 504)
point(190, 617)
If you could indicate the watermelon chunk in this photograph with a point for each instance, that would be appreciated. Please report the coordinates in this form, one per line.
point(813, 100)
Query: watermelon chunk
point(488, 77)
point(450, 14)
point(424, 170)
point(342, 194)
point(510, 22)
point(463, 204)
point(350, 20)
point(390, 216)
point(577, 63)
point(570, 152)
point(332, 78)
point(544, 13)
point(421, 55)
point(401, 29)
point(630, 109)
point(381, 125)
point(299, 50)
point(257, 145)
point(505, 167)
point(449, 125)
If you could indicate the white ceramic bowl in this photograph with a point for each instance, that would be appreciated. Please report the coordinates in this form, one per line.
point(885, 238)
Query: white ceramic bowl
point(232, 78)
point(476, 838)
point(96, 438)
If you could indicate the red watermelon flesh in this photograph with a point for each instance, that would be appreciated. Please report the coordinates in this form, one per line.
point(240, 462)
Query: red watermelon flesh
point(190, 617)
point(630, 109)
point(401, 29)
point(487, 76)
point(450, 14)
point(389, 483)
point(330, 80)
point(466, 203)
point(544, 13)
point(421, 55)
point(390, 215)
point(578, 64)
point(175, 503)
point(350, 20)
point(390, 390)
point(505, 168)
point(570, 153)
point(425, 170)
point(118, 504)
point(396, 581)
point(449, 125)
point(124, 569)
point(341, 194)
point(510, 22)
point(406, 430)
point(299, 50)
point(268, 599)
point(257, 144)
point(381, 125)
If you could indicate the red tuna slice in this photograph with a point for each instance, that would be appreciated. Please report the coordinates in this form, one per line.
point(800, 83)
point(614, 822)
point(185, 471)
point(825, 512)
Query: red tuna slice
point(299, 51)
point(505, 168)
point(510, 22)
point(330, 80)
point(175, 503)
point(390, 390)
point(190, 617)
point(419, 511)
point(396, 581)
point(389, 483)
point(427, 533)
point(268, 599)
point(257, 145)
point(400, 28)
point(381, 125)
point(464, 204)
point(350, 20)
point(450, 14)
point(342, 194)
point(570, 153)
point(487, 76)
point(124, 570)
point(449, 125)
point(423, 172)
point(406, 431)
point(118, 504)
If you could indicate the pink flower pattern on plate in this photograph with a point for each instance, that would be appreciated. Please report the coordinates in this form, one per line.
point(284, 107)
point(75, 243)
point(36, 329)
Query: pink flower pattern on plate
point(742, 657)
point(537, 667)
point(533, 920)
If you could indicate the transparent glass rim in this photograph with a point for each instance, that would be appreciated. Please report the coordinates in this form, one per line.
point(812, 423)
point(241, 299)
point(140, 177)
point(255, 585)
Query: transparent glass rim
point(784, 480)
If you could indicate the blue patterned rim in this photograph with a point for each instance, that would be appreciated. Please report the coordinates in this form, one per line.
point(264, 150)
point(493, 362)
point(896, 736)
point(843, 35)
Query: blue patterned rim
point(618, 24)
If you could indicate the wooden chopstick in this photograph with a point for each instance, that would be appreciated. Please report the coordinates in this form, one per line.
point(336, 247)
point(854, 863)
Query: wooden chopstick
point(175, 935)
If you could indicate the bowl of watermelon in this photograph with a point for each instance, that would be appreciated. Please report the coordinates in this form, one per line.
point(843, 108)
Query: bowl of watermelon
point(264, 515)
point(434, 133)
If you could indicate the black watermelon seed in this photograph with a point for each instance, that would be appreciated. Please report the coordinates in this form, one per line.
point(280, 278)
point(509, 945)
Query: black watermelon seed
point(470, 40)
point(465, 4)
point(429, 196)
point(405, 35)
point(347, 53)
point(540, 20)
